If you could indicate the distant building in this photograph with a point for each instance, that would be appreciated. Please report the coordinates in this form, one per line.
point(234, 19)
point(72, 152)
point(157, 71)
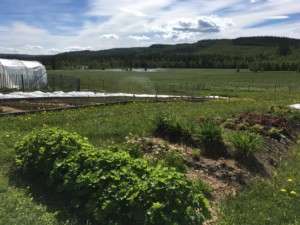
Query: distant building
point(18, 74)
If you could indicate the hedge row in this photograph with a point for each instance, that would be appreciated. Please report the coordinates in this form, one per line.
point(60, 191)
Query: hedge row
point(111, 187)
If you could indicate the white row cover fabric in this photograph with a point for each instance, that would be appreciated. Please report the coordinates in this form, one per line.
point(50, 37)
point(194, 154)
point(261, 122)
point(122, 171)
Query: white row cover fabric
point(19, 74)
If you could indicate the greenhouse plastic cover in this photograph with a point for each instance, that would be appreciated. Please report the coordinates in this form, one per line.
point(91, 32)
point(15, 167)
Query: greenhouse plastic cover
point(34, 74)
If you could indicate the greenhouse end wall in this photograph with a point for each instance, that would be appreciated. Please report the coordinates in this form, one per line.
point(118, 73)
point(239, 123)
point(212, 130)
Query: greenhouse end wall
point(22, 75)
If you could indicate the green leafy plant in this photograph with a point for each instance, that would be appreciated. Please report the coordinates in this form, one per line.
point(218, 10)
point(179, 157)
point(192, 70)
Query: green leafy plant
point(43, 150)
point(257, 128)
point(275, 131)
point(111, 187)
point(209, 134)
point(242, 126)
point(229, 123)
point(245, 143)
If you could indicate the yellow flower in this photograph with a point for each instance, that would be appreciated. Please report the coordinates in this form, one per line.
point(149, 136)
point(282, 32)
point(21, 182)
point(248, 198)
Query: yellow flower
point(283, 190)
point(293, 193)
point(289, 180)
point(7, 135)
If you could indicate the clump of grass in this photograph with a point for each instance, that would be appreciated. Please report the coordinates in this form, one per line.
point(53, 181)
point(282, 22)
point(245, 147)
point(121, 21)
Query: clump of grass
point(209, 134)
point(202, 186)
point(245, 143)
point(174, 128)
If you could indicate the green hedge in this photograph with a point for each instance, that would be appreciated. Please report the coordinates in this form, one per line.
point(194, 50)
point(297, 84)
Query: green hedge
point(111, 187)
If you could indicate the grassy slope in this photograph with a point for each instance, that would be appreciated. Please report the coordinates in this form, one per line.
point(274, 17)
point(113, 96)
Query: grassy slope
point(264, 202)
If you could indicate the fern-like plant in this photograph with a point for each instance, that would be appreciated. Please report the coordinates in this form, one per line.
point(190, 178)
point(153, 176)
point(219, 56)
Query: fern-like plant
point(245, 143)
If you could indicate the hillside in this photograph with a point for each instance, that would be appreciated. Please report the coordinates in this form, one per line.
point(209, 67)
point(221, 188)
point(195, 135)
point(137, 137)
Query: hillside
point(256, 53)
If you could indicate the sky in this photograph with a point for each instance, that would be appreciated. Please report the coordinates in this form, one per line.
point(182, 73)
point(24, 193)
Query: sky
point(55, 26)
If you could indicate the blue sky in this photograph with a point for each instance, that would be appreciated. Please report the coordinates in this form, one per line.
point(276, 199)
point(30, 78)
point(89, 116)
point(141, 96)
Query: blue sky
point(54, 26)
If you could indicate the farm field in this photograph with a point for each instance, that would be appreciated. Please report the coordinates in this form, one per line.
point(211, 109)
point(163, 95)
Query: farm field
point(24, 202)
point(175, 81)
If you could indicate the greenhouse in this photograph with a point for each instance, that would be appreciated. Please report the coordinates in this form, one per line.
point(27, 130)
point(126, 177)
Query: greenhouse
point(22, 75)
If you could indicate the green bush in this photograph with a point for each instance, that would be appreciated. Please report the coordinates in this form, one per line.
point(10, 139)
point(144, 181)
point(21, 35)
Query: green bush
point(111, 187)
point(209, 134)
point(245, 143)
point(172, 127)
point(43, 150)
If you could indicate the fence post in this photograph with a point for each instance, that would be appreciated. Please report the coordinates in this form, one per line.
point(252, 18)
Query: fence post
point(22, 80)
point(78, 84)
point(53, 83)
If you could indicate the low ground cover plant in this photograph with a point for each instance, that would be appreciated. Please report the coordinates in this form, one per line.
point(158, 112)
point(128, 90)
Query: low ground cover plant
point(111, 187)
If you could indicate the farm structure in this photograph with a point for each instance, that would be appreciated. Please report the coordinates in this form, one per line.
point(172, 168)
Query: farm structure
point(22, 75)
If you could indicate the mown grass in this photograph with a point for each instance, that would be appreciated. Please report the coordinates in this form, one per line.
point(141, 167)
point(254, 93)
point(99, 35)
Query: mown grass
point(269, 201)
point(102, 125)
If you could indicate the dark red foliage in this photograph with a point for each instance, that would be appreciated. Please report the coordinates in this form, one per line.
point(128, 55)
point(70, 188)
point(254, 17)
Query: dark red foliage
point(263, 119)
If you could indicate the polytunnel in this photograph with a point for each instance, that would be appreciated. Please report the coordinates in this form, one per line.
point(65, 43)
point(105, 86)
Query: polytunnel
point(25, 75)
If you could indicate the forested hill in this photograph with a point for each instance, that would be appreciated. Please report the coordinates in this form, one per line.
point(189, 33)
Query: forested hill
point(256, 53)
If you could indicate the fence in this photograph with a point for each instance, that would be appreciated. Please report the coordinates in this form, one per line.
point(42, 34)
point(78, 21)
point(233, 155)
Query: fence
point(68, 83)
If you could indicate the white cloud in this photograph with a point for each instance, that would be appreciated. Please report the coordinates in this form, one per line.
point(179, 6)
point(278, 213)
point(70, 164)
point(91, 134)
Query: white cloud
point(76, 48)
point(139, 38)
point(277, 17)
point(186, 28)
point(133, 12)
point(109, 36)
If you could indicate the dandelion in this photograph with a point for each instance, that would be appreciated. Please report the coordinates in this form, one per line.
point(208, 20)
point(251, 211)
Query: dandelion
point(289, 180)
point(283, 190)
point(293, 193)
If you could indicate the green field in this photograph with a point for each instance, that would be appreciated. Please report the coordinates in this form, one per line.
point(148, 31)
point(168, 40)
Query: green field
point(175, 81)
point(22, 203)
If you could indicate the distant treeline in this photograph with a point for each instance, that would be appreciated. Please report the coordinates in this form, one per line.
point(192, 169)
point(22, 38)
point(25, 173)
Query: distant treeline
point(256, 53)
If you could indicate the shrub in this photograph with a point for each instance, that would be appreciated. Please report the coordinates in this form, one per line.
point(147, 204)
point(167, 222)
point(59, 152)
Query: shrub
point(245, 143)
point(112, 187)
point(172, 127)
point(43, 150)
point(209, 134)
